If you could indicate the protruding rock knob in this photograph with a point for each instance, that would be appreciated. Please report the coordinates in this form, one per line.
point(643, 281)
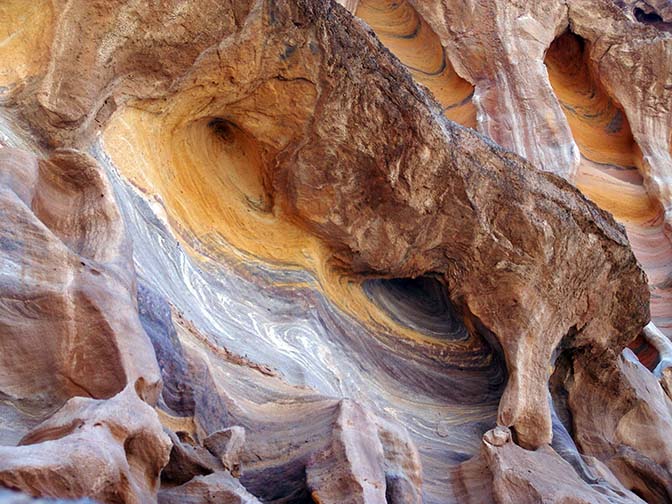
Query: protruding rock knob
point(227, 445)
point(498, 436)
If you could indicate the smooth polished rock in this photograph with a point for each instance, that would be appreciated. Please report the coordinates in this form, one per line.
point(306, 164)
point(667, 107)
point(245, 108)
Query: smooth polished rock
point(69, 316)
point(110, 450)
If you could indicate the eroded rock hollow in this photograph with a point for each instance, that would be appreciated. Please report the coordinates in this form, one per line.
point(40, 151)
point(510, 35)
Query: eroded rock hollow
point(360, 252)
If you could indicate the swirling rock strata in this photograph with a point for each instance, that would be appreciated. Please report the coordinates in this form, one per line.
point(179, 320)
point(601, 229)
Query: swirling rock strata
point(285, 147)
point(483, 272)
point(499, 47)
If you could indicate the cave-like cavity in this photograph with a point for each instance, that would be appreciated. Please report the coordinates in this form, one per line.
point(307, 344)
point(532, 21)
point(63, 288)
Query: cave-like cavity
point(420, 303)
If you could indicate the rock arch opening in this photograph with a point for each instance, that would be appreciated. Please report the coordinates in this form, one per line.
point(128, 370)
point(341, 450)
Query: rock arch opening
point(465, 347)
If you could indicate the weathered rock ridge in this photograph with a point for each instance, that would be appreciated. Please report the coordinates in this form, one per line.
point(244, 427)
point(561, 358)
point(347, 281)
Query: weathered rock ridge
point(250, 258)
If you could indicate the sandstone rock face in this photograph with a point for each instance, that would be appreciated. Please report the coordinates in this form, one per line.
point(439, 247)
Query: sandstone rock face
point(520, 475)
point(218, 487)
point(69, 314)
point(356, 468)
point(111, 450)
point(500, 47)
point(635, 402)
point(227, 445)
point(606, 67)
point(247, 255)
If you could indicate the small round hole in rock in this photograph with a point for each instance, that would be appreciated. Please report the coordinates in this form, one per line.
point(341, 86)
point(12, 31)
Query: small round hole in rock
point(647, 17)
point(224, 129)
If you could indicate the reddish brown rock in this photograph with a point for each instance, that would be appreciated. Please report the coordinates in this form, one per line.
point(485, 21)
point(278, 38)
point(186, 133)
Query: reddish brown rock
point(485, 244)
point(507, 473)
point(351, 469)
point(111, 450)
point(69, 321)
point(633, 59)
point(213, 489)
point(402, 464)
point(148, 46)
point(512, 243)
point(622, 416)
point(188, 459)
point(499, 47)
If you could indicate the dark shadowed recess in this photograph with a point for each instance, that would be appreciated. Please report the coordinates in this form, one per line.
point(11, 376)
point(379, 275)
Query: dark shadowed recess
point(421, 304)
point(647, 17)
point(469, 359)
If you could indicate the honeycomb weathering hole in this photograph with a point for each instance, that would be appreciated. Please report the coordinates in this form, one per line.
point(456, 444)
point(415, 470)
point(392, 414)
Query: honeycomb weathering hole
point(222, 128)
point(241, 158)
point(598, 125)
point(647, 17)
point(208, 174)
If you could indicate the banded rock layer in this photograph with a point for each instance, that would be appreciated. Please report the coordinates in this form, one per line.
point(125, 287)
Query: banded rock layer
point(247, 256)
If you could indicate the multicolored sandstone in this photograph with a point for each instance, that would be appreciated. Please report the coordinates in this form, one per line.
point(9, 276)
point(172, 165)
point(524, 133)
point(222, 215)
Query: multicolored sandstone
point(251, 259)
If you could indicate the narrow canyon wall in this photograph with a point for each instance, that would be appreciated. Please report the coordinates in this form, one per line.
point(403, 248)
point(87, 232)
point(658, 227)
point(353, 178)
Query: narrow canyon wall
point(249, 256)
